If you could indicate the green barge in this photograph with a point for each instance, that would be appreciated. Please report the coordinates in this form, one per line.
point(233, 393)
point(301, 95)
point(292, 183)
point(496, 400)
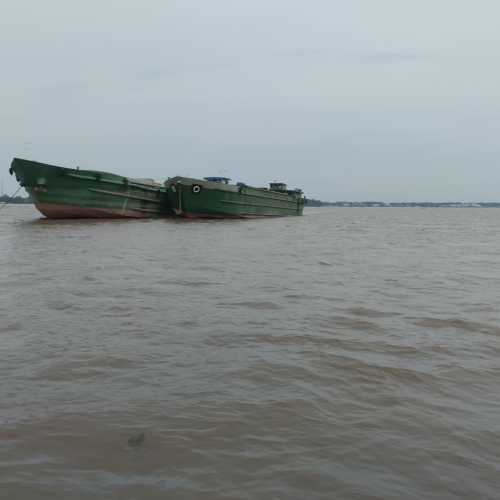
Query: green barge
point(215, 197)
point(62, 193)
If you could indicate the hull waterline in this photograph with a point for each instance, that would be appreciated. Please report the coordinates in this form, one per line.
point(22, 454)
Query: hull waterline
point(61, 211)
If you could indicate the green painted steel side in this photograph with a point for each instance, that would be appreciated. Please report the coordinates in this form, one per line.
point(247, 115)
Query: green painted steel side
point(196, 198)
point(88, 189)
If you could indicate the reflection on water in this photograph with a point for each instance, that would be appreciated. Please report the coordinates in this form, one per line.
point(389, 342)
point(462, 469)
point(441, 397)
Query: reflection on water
point(350, 353)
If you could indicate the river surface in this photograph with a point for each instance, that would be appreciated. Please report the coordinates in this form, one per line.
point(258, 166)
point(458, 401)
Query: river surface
point(350, 353)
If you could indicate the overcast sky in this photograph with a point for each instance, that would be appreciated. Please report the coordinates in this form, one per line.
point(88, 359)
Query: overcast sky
point(350, 100)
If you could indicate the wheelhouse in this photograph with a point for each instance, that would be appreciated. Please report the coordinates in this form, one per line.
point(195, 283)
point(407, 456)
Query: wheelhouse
point(278, 186)
point(220, 180)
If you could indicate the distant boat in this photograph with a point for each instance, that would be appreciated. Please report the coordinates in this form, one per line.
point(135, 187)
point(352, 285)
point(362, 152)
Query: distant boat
point(215, 197)
point(62, 193)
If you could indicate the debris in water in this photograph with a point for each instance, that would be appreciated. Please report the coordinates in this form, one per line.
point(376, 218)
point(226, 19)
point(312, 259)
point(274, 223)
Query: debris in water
point(136, 439)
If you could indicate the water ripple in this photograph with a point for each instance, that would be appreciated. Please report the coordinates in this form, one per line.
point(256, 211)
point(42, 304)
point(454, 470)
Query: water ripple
point(350, 353)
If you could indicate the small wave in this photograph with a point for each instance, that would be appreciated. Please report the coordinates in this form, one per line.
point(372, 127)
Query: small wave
point(458, 324)
point(193, 283)
point(59, 305)
point(188, 323)
point(370, 313)
point(14, 326)
point(264, 305)
point(371, 372)
point(352, 323)
point(83, 368)
point(32, 460)
point(302, 296)
point(290, 339)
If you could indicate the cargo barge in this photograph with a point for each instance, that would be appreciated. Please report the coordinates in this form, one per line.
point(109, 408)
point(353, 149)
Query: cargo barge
point(216, 197)
point(62, 193)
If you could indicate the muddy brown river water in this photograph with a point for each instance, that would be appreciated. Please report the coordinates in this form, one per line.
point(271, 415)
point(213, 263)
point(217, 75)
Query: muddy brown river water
point(349, 353)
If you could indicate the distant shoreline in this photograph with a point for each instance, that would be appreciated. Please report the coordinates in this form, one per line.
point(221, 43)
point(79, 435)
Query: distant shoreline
point(16, 200)
point(19, 200)
point(412, 204)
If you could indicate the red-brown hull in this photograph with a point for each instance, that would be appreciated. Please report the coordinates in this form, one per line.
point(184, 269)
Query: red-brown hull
point(60, 211)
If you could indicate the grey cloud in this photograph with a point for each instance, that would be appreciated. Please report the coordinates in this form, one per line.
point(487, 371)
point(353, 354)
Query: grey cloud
point(351, 100)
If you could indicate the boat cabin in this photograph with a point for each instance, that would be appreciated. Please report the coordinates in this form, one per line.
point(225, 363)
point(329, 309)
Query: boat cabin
point(220, 180)
point(278, 186)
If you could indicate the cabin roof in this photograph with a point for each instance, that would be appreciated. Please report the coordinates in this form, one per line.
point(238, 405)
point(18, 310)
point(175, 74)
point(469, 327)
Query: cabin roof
point(217, 179)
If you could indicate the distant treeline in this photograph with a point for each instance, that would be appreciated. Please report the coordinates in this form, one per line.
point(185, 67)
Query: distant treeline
point(412, 204)
point(14, 199)
point(318, 203)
